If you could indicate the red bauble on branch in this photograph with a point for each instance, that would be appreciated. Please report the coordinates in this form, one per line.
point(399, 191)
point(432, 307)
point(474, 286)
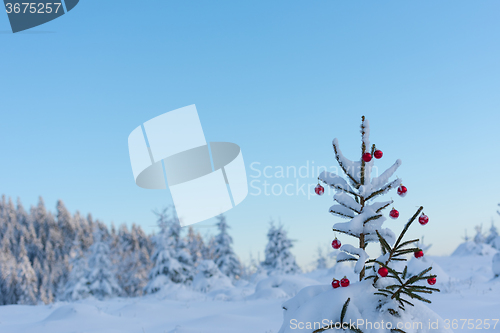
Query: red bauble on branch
point(367, 157)
point(344, 282)
point(418, 254)
point(402, 190)
point(336, 244)
point(394, 214)
point(423, 219)
point(383, 271)
point(431, 281)
point(378, 154)
point(335, 283)
point(319, 190)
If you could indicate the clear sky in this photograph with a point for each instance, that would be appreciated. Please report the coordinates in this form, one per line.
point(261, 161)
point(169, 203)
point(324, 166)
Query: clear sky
point(279, 78)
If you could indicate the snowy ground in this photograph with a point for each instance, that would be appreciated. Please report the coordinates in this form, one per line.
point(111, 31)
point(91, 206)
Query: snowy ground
point(469, 293)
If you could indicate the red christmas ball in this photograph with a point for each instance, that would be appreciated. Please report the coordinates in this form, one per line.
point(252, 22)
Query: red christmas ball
point(319, 190)
point(335, 283)
point(336, 244)
point(423, 219)
point(418, 254)
point(344, 282)
point(394, 214)
point(431, 281)
point(402, 190)
point(378, 154)
point(383, 271)
point(367, 157)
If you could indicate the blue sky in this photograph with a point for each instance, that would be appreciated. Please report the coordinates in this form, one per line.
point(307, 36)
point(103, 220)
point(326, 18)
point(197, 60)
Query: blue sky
point(281, 79)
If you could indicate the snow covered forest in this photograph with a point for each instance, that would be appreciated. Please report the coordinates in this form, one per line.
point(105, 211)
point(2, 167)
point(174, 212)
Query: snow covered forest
point(47, 257)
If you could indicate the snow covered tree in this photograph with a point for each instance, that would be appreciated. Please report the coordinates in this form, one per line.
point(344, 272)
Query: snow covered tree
point(77, 286)
point(224, 256)
point(321, 261)
point(479, 237)
point(7, 273)
point(195, 245)
point(132, 262)
point(387, 287)
point(209, 277)
point(278, 258)
point(93, 275)
point(171, 260)
point(493, 238)
point(100, 275)
point(26, 289)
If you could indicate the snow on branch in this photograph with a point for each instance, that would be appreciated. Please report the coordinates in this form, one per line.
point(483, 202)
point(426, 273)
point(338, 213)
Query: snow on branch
point(343, 256)
point(365, 133)
point(360, 253)
point(335, 181)
point(341, 211)
point(379, 206)
point(366, 167)
point(350, 168)
point(385, 189)
point(347, 201)
point(356, 225)
point(378, 182)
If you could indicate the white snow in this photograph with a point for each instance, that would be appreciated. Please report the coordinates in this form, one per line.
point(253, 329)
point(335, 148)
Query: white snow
point(347, 201)
point(362, 256)
point(353, 169)
point(378, 182)
point(472, 248)
point(341, 211)
point(334, 180)
point(470, 293)
point(496, 265)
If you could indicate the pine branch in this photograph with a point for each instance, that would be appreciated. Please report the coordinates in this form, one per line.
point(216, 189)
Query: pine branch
point(407, 242)
point(341, 214)
point(427, 288)
point(415, 296)
point(337, 156)
point(405, 229)
point(384, 207)
point(344, 310)
point(346, 232)
point(346, 206)
point(405, 251)
point(383, 242)
point(363, 150)
point(405, 301)
point(339, 188)
point(347, 259)
point(384, 189)
point(374, 217)
point(397, 330)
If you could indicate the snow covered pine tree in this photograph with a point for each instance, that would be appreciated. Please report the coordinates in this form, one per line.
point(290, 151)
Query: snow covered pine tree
point(279, 259)
point(224, 256)
point(381, 301)
point(171, 259)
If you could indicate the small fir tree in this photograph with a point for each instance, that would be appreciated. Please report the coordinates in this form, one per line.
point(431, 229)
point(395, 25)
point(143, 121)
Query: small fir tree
point(386, 282)
point(278, 258)
point(171, 261)
point(224, 256)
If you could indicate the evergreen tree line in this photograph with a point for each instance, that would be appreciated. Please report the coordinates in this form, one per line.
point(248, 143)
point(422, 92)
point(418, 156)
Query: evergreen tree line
point(47, 256)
